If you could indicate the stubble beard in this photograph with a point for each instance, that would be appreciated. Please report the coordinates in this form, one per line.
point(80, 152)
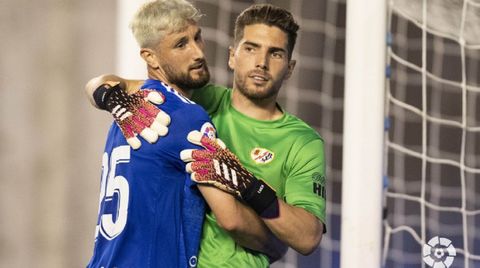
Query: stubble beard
point(184, 80)
point(252, 93)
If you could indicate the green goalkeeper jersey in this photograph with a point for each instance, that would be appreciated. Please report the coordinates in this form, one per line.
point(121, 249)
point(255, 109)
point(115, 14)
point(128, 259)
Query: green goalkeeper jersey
point(286, 153)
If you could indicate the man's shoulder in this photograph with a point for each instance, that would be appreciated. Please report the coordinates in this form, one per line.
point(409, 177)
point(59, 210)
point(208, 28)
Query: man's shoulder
point(211, 97)
point(301, 128)
point(210, 86)
point(212, 91)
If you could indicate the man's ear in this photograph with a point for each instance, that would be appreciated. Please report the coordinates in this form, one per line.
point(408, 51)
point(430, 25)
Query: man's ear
point(231, 57)
point(291, 66)
point(149, 57)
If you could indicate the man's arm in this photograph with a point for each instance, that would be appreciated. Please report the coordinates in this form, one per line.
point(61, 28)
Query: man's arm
point(296, 227)
point(218, 166)
point(302, 208)
point(132, 111)
point(130, 86)
point(242, 223)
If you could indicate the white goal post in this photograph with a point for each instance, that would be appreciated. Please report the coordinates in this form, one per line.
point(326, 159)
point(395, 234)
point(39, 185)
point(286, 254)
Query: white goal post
point(129, 64)
point(361, 230)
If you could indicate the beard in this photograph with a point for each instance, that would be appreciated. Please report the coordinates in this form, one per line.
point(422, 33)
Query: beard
point(253, 92)
point(184, 80)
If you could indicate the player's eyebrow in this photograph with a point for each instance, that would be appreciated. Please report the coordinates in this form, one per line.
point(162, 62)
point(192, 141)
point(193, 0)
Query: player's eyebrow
point(270, 49)
point(180, 40)
point(250, 43)
point(198, 33)
point(277, 49)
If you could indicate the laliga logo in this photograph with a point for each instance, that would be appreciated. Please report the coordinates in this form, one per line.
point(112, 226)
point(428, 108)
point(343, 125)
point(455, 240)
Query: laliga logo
point(439, 252)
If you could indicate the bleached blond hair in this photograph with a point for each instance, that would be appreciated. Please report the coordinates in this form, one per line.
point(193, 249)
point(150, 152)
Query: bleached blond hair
point(155, 19)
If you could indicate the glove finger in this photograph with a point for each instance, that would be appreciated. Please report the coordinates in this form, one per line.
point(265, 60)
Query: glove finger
point(202, 155)
point(200, 178)
point(188, 168)
point(163, 118)
point(200, 167)
point(134, 142)
point(209, 144)
point(141, 120)
point(193, 177)
point(196, 177)
point(194, 137)
point(154, 96)
point(128, 133)
point(221, 143)
point(186, 155)
point(190, 155)
point(156, 122)
point(126, 127)
point(150, 110)
point(140, 125)
point(149, 135)
point(161, 130)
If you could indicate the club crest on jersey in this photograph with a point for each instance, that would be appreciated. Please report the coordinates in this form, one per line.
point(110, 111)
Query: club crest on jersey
point(262, 155)
point(209, 130)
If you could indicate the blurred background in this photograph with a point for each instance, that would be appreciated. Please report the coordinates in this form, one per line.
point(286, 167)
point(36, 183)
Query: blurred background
point(51, 139)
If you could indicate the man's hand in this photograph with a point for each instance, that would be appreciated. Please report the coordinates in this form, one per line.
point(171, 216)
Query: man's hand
point(134, 113)
point(218, 166)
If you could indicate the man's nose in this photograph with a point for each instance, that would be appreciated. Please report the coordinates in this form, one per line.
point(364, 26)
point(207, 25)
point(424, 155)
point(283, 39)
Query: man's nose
point(262, 61)
point(198, 52)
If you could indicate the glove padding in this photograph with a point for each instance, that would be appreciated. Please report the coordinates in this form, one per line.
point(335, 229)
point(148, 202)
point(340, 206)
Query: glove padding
point(218, 166)
point(134, 113)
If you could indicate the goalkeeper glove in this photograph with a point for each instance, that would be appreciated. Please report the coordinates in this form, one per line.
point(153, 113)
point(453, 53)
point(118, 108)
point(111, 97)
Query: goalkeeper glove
point(218, 166)
point(134, 113)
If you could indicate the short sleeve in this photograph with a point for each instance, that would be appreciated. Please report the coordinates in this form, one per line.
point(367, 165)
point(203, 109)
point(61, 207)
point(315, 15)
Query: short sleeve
point(305, 184)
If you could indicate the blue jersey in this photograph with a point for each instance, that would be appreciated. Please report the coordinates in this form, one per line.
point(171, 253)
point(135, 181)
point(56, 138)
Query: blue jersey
point(150, 212)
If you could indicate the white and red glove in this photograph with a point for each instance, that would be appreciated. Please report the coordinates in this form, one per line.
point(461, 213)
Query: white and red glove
point(216, 165)
point(134, 113)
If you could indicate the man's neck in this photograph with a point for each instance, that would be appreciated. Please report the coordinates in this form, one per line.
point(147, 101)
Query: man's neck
point(264, 109)
point(152, 74)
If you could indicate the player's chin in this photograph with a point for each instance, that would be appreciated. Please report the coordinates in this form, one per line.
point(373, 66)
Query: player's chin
point(199, 75)
point(255, 92)
point(199, 81)
point(262, 87)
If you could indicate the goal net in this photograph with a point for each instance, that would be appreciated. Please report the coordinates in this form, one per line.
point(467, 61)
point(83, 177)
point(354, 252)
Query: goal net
point(432, 144)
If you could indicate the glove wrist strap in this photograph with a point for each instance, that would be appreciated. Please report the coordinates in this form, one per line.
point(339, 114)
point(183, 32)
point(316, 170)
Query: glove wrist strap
point(259, 196)
point(102, 93)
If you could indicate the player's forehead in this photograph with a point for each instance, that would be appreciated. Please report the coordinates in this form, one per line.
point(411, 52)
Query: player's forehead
point(190, 30)
point(265, 35)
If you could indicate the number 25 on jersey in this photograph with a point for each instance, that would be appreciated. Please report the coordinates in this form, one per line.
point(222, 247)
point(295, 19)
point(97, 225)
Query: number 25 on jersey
point(114, 194)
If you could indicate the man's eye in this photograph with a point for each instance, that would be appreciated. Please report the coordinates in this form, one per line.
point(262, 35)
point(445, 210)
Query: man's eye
point(277, 55)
